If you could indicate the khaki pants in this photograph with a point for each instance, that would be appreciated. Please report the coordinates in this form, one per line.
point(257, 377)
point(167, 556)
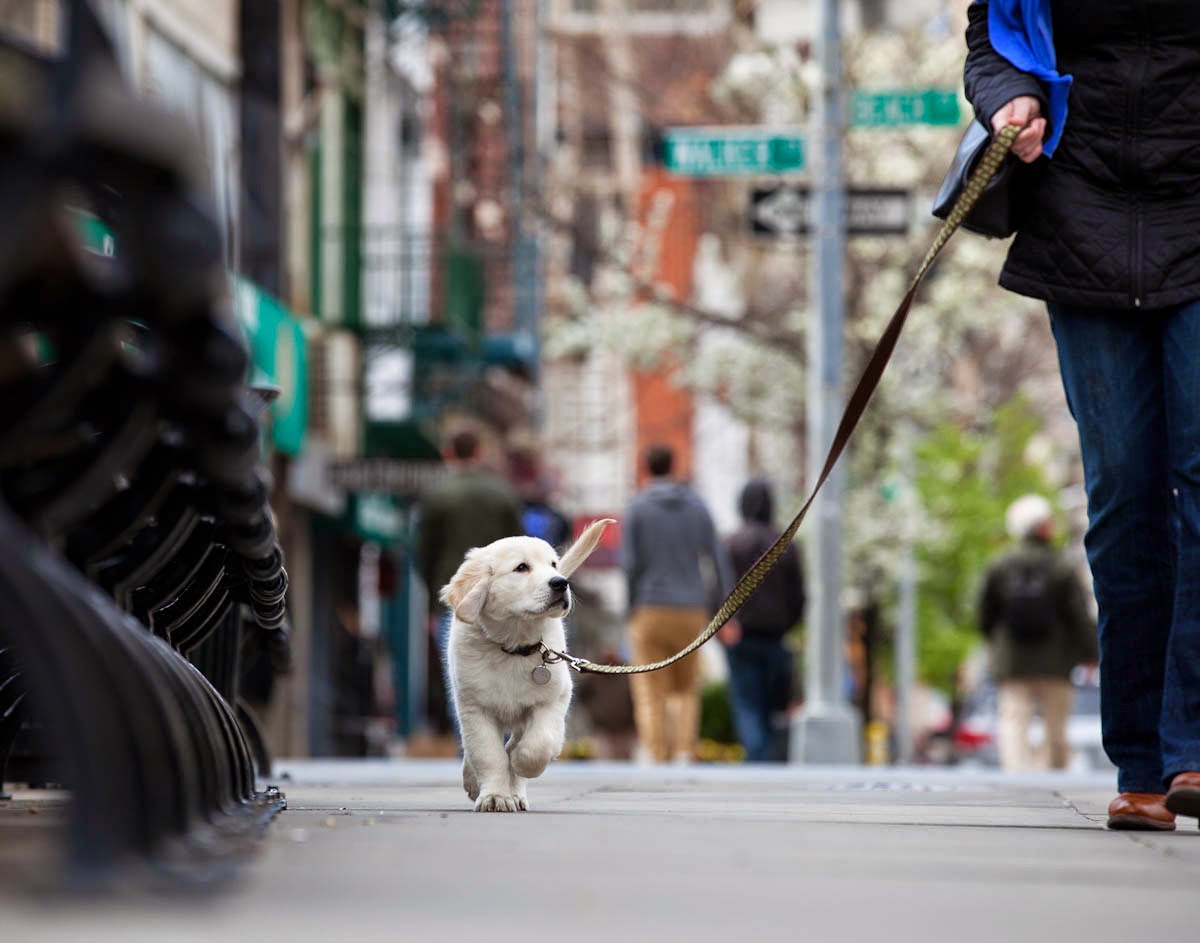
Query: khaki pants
point(666, 703)
point(1019, 699)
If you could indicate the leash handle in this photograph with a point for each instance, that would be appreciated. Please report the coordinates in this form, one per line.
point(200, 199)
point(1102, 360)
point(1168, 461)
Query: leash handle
point(993, 157)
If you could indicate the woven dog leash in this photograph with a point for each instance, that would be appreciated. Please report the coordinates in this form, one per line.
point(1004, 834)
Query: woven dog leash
point(988, 165)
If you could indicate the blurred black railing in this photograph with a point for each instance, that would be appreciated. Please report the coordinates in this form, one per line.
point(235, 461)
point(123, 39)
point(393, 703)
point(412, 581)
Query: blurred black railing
point(137, 548)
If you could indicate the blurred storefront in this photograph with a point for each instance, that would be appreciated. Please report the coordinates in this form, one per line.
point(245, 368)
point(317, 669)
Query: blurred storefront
point(371, 166)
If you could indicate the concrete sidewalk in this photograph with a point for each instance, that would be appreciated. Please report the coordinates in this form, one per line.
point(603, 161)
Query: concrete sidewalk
point(389, 851)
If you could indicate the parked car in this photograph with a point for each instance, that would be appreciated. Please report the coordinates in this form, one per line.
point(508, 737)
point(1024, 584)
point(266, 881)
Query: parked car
point(974, 739)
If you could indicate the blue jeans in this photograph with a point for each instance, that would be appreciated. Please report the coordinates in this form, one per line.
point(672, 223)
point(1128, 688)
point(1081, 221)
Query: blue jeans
point(1132, 380)
point(760, 681)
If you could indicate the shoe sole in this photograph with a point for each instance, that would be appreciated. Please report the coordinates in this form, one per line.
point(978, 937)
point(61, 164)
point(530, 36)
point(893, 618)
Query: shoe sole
point(1184, 800)
point(1138, 823)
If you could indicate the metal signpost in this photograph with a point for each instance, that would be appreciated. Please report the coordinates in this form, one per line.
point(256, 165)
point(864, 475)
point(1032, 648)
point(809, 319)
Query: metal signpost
point(828, 730)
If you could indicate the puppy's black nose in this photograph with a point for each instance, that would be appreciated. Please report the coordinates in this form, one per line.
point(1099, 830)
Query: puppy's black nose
point(558, 584)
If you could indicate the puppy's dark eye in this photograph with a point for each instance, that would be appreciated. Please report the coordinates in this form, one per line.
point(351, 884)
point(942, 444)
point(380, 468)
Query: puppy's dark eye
point(522, 568)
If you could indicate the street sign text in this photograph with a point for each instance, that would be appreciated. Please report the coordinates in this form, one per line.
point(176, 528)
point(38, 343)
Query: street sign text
point(732, 151)
point(891, 109)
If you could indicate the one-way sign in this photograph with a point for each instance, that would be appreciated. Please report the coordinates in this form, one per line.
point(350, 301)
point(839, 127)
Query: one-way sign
point(787, 211)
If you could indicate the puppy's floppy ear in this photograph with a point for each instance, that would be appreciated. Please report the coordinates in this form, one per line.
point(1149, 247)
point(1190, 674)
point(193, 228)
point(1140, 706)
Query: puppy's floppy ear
point(583, 547)
point(468, 589)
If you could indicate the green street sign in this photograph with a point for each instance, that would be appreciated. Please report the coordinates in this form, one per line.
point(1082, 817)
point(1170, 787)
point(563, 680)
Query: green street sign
point(379, 518)
point(936, 106)
point(279, 356)
point(732, 151)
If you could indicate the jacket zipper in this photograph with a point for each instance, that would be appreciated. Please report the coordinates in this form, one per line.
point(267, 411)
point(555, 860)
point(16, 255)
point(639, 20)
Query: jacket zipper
point(1136, 284)
point(1133, 118)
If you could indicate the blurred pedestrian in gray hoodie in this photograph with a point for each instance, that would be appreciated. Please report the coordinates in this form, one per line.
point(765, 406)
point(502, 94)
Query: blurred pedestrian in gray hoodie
point(672, 560)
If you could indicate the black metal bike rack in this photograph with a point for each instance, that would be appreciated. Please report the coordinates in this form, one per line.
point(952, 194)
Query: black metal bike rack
point(137, 546)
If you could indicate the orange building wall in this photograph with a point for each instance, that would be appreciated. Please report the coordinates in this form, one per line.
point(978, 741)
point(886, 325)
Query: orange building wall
point(670, 228)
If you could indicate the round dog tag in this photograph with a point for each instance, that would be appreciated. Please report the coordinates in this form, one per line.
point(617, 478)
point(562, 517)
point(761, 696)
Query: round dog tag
point(540, 674)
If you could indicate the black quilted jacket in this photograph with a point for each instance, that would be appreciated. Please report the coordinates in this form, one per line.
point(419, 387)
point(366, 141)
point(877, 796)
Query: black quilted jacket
point(1113, 219)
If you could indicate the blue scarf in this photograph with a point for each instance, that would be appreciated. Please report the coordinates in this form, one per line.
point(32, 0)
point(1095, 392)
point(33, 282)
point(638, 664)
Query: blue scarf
point(1021, 31)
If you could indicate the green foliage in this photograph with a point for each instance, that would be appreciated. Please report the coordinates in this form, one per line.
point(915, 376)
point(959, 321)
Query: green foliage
point(966, 478)
point(716, 713)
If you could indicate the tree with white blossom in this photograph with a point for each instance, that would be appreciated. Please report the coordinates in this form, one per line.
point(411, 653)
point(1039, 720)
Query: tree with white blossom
point(969, 347)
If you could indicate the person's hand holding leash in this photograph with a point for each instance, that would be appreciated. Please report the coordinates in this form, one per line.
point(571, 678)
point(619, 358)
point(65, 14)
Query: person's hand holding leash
point(1026, 111)
point(730, 633)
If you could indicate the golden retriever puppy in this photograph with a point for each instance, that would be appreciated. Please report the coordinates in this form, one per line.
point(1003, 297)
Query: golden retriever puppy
point(509, 599)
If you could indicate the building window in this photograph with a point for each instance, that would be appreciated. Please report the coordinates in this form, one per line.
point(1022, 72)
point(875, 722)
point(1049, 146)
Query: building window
point(32, 22)
point(207, 102)
point(397, 264)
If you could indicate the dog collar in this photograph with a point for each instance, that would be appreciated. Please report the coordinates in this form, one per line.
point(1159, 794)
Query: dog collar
point(540, 673)
point(522, 650)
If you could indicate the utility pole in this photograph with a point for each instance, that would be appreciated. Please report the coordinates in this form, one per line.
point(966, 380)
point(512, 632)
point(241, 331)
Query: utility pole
point(526, 263)
point(906, 621)
point(829, 729)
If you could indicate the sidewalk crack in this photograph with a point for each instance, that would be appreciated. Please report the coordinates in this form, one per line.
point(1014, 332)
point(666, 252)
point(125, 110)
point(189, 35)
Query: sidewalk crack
point(1141, 839)
point(1062, 797)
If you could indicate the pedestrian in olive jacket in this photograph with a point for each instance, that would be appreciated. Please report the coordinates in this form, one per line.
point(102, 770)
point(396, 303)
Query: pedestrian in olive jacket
point(1034, 613)
point(471, 507)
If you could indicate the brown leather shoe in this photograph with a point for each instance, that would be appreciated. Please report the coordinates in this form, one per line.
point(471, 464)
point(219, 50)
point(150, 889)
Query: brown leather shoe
point(1183, 798)
point(1140, 812)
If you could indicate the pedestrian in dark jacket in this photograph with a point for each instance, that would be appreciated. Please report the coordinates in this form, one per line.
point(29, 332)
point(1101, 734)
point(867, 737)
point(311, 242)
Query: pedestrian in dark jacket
point(668, 544)
point(471, 507)
point(1034, 613)
point(760, 665)
point(1110, 241)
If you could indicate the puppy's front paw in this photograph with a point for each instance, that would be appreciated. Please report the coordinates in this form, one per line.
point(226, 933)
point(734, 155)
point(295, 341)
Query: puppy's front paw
point(521, 803)
point(529, 762)
point(495, 802)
